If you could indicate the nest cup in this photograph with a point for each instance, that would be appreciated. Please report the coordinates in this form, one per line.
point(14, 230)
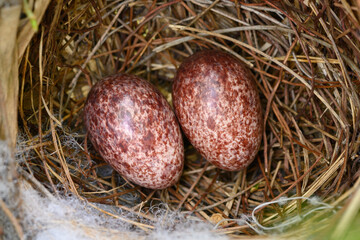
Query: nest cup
point(304, 56)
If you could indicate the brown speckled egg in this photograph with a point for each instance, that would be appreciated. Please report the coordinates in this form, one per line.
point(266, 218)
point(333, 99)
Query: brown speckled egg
point(134, 129)
point(218, 108)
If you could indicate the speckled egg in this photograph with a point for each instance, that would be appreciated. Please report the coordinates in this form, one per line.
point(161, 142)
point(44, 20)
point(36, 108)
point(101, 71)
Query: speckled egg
point(218, 108)
point(134, 129)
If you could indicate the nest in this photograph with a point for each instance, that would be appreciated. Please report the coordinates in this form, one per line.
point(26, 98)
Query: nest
point(305, 58)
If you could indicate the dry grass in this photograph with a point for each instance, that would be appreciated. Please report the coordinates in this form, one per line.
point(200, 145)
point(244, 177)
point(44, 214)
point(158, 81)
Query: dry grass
point(305, 58)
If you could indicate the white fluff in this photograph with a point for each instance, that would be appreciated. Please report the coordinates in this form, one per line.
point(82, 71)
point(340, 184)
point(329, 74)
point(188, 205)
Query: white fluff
point(69, 218)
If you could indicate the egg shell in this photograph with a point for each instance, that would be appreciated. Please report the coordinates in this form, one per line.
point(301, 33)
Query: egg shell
point(218, 107)
point(134, 129)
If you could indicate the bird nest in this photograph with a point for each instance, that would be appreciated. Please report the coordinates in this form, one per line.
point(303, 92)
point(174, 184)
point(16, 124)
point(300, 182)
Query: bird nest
point(305, 59)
